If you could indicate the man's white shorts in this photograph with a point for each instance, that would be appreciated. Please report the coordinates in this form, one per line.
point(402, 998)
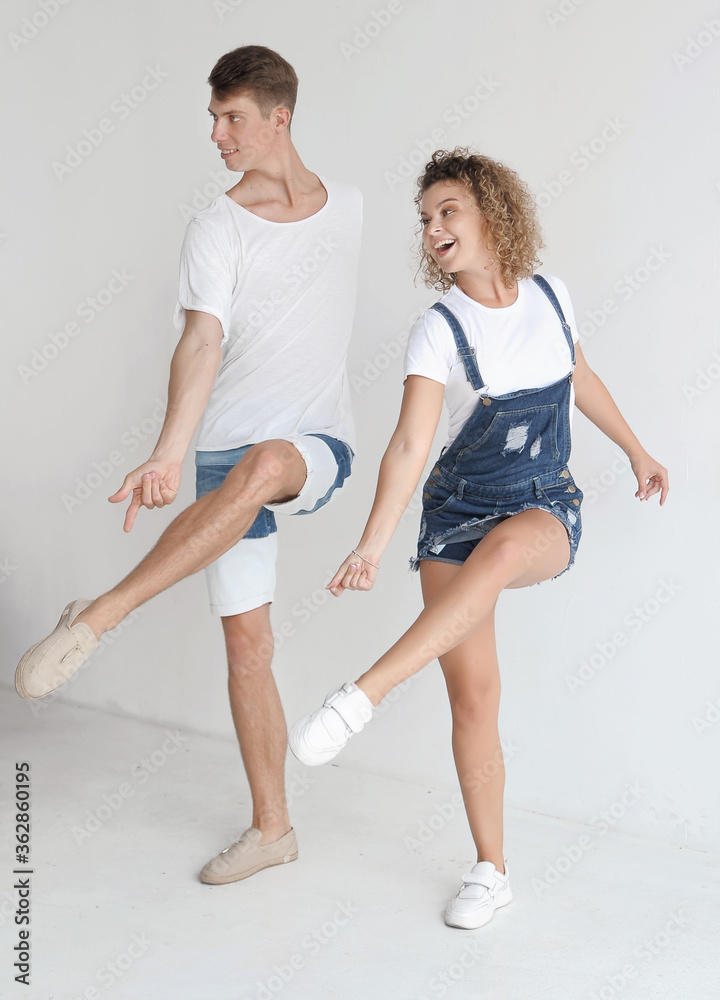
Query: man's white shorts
point(244, 578)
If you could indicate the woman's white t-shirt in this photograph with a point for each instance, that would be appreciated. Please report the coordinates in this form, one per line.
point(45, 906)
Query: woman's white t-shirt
point(284, 293)
point(521, 346)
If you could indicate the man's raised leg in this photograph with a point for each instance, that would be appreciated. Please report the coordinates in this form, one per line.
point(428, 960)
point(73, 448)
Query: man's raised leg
point(270, 472)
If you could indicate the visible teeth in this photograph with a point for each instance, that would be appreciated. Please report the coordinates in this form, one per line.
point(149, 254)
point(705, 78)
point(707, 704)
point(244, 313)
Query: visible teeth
point(444, 243)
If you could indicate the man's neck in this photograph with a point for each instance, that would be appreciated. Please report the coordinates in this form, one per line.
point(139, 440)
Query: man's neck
point(281, 189)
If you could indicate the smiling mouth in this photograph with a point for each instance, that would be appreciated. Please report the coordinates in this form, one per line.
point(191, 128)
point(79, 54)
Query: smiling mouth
point(443, 247)
point(227, 152)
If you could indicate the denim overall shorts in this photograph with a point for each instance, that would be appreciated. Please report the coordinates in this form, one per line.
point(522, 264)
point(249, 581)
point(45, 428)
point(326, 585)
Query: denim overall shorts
point(510, 455)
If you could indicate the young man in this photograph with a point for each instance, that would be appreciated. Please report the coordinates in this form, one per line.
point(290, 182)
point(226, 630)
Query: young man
point(267, 295)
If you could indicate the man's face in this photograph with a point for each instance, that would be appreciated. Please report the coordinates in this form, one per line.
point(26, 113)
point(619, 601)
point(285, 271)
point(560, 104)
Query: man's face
point(241, 133)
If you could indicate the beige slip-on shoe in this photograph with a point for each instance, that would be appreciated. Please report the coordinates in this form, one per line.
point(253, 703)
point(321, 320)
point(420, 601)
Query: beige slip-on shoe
point(50, 662)
point(247, 856)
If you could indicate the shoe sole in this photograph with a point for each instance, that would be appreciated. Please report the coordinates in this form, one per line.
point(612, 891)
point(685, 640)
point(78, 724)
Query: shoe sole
point(286, 859)
point(503, 899)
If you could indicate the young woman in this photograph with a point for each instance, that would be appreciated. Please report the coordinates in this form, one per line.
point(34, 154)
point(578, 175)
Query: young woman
point(500, 508)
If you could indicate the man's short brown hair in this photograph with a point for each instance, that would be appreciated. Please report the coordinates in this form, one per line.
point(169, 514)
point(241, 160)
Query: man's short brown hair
point(259, 72)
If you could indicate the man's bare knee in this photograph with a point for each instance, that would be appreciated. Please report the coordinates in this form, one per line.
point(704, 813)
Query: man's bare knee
point(268, 470)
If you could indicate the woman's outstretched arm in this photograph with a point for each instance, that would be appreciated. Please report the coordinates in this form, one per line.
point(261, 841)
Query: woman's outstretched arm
point(400, 470)
point(595, 402)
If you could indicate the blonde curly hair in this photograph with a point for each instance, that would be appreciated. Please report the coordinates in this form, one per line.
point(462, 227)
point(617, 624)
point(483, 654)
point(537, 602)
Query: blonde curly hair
point(505, 201)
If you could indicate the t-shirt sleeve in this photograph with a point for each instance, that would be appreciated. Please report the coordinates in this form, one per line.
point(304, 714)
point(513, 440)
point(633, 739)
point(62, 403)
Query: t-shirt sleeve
point(430, 348)
point(206, 275)
point(563, 297)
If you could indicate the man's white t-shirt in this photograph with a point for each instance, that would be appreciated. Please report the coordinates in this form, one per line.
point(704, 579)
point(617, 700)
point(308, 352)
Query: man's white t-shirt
point(521, 346)
point(284, 293)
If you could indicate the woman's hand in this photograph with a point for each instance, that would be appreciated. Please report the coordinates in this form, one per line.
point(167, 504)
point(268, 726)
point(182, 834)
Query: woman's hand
point(354, 574)
point(651, 477)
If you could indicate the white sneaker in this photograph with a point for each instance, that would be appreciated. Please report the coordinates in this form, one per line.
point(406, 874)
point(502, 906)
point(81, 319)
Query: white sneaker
point(483, 890)
point(318, 737)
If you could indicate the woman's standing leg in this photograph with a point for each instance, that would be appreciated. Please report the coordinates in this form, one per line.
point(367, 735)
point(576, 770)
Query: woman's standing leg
point(473, 682)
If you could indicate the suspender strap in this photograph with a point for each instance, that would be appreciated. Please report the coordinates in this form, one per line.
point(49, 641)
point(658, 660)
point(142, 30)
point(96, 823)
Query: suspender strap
point(465, 353)
point(543, 284)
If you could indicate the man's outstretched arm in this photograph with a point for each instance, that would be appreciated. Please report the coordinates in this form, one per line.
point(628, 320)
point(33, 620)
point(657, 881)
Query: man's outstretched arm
point(192, 374)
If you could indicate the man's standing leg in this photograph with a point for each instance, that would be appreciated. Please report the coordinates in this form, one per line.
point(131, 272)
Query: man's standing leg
point(262, 734)
point(258, 717)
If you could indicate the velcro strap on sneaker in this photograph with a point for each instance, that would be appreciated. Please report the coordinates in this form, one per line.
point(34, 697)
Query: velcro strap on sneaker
point(477, 878)
point(353, 707)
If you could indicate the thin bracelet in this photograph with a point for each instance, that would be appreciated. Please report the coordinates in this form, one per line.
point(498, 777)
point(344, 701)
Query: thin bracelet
point(374, 565)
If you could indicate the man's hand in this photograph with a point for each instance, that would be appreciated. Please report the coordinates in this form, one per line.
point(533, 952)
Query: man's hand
point(153, 484)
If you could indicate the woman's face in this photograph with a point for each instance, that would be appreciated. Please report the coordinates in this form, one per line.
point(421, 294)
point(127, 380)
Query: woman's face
point(454, 229)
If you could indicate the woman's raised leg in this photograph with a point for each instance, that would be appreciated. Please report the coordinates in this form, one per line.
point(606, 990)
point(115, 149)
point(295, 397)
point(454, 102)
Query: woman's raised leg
point(526, 548)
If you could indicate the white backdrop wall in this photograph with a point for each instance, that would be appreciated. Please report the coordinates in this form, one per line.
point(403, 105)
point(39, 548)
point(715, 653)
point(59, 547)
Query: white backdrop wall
point(608, 110)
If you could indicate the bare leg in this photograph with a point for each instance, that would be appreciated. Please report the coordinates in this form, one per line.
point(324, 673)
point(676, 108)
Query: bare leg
point(473, 683)
point(268, 473)
point(524, 549)
point(258, 717)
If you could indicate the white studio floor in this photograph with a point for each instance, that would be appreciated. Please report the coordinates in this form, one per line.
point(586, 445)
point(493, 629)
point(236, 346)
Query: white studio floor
point(117, 910)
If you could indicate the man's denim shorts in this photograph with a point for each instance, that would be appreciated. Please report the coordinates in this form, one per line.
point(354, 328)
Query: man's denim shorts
point(244, 577)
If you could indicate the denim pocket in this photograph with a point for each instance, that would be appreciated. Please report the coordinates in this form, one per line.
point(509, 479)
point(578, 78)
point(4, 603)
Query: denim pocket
point(434, 497)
